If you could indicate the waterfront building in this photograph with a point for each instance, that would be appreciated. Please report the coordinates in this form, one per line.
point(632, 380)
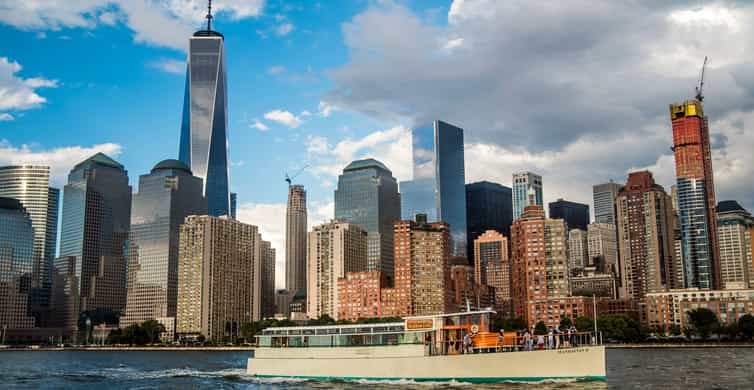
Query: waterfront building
point(489, 247)
point(539, 262)
point(645, 238)
point(95, 225)
point(627, 307)
point(16, 264)
point(576, 215)
point(553, 310)
point(578, 249)
point(592, 283)
point(466, 291)
point(204, 126)
point(603, 196)
point(167, 195)
point(488, 207)
point(602, 243)
point(367, 196)
point(30, 185)
point(335, 248)
point(696, 195)
point(64, 297)
point(734, 227)
point(527, 191)
point(499, 278)
point(268, 279)
point(438, 187)
point(359, 295)
point(670, 309)
point(219, 278)
point(295, 241)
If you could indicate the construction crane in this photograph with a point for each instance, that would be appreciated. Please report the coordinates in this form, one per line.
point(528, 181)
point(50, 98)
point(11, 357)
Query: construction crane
point(699, 95)
point(289, 179)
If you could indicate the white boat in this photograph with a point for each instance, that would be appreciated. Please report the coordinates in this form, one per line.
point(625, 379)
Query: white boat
point(426, 348)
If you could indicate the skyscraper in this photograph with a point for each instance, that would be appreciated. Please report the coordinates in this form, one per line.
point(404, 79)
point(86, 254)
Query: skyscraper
point(576, 215)
point(30, 185)
point(602, 241)
point(204, 133)
point(734, 227)
point(95, 224)
point(295, 241)
point(604, 201)
point(367, 196)
point(167, 195)
point(645, 238)
point(335, 248)
point(438, 188)
point(490, 247)
point(219, 278)
point(527, 191)
point(488, 207)
point(696, 195)
point(268, 279)
point(16, 264)
point(578, 249)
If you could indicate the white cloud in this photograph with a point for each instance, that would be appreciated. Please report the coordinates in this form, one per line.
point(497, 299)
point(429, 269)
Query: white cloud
point(306, 113)
point(61, 160)
point(169, 66)
point(259, 126)
point(155, 22)
point(284, 117)
point(17, 93)
point(325, 109)
point(284, 29)
point(277, 69)
point(5, 117)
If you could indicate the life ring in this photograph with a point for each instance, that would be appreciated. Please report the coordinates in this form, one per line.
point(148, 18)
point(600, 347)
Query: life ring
point(474, 329)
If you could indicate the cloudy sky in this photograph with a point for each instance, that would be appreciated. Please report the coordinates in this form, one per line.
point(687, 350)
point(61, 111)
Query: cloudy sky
point(577, 91)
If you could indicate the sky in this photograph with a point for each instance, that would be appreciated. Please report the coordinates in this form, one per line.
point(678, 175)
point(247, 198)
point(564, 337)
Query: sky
point(576, 91)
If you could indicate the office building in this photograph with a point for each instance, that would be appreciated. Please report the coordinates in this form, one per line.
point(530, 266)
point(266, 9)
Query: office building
point(204, 127)
point(30, 185)
point(578, 249)
point(527, 191)
point(95, 225)
point(367, 196)
point(219, 278)
point(602, 243)
point(576, 215)
point(268, 279)
point(64, 296)
point(335, 248)
point(489, 206)
point(233, 205)
point(167, 195)
point(603, 196)
point(438, 188)
point(734, 227)
point(645, 238)
point(668, 310)
point(490, 247)
point(696, 195)
point(295, 241)
point(16, 264)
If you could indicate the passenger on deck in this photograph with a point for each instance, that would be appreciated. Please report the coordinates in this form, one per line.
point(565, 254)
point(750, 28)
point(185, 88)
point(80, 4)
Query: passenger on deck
point(557, 337)
point(550, 340)
point(500, 340)
point(527, 341)
point(467, 346)
point(541, 342)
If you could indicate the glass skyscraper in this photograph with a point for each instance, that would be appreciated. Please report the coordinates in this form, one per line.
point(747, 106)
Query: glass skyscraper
point(527, 190)
point(204, 138)
point(575, 214)
point(488, 207)
point(438, 188)
point(604, 201)
point(95, 225)
point(367, 196)
point(16, 264)
point(167, 195)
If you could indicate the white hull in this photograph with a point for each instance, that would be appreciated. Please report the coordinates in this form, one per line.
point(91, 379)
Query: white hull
point(409, 362)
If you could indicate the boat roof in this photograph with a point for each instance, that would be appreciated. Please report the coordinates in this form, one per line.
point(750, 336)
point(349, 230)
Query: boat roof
point(463, 313)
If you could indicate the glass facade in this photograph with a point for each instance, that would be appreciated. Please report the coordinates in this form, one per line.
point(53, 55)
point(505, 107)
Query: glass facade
point(695, 235)
point(488, 207)
point(604, 202)
point(438, 188)
point(576, 215)
point(16, 264)
point(527, 190)
point(204, 140)
point(167, 195)
point(367, 196)
point(95, 225)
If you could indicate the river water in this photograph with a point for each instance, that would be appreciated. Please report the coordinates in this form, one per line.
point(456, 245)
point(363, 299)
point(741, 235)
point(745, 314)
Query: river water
point(688, 369)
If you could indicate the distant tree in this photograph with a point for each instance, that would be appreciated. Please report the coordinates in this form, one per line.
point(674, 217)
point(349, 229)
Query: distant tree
point(152, 330)
point(324, 319)
point(746, 326)
point(584, 324)
point(675, 330)
point(540, 328)
point(565, 322)
point(703, 321)
point(619, 327)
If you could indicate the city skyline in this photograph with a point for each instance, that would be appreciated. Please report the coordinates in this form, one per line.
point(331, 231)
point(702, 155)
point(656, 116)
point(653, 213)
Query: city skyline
point(148, 134)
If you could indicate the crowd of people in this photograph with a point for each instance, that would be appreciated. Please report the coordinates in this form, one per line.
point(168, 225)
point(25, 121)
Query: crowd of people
point(555, 338)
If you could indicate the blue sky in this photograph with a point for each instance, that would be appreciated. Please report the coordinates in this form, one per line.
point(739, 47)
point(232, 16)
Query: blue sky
point(576, 91)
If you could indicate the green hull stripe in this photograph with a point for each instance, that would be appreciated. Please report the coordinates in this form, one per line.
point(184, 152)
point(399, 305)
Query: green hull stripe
point(469, 380)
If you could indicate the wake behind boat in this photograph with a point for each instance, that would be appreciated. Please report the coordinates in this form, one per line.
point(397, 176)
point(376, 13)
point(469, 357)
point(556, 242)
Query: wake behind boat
point(424, 348)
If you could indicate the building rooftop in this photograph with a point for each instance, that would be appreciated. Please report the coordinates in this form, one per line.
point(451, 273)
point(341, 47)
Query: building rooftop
point(364, 164)
point(171, 164)
point(11, 204)
point(727, 206)
point(100, 159)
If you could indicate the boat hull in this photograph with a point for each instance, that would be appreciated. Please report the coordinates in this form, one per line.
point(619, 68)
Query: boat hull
point(407, 362)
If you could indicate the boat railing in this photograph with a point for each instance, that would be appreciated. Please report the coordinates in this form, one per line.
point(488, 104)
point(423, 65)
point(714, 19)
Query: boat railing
point(490, 343)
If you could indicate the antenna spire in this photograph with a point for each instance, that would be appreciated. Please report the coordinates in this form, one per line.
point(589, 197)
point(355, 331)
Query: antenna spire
point(209, 16)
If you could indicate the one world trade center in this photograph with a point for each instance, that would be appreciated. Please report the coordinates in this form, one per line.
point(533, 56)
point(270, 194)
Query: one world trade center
point(204, 138)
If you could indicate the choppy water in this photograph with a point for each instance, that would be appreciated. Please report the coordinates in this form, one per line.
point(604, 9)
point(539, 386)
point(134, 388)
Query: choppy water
point(691, 369)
